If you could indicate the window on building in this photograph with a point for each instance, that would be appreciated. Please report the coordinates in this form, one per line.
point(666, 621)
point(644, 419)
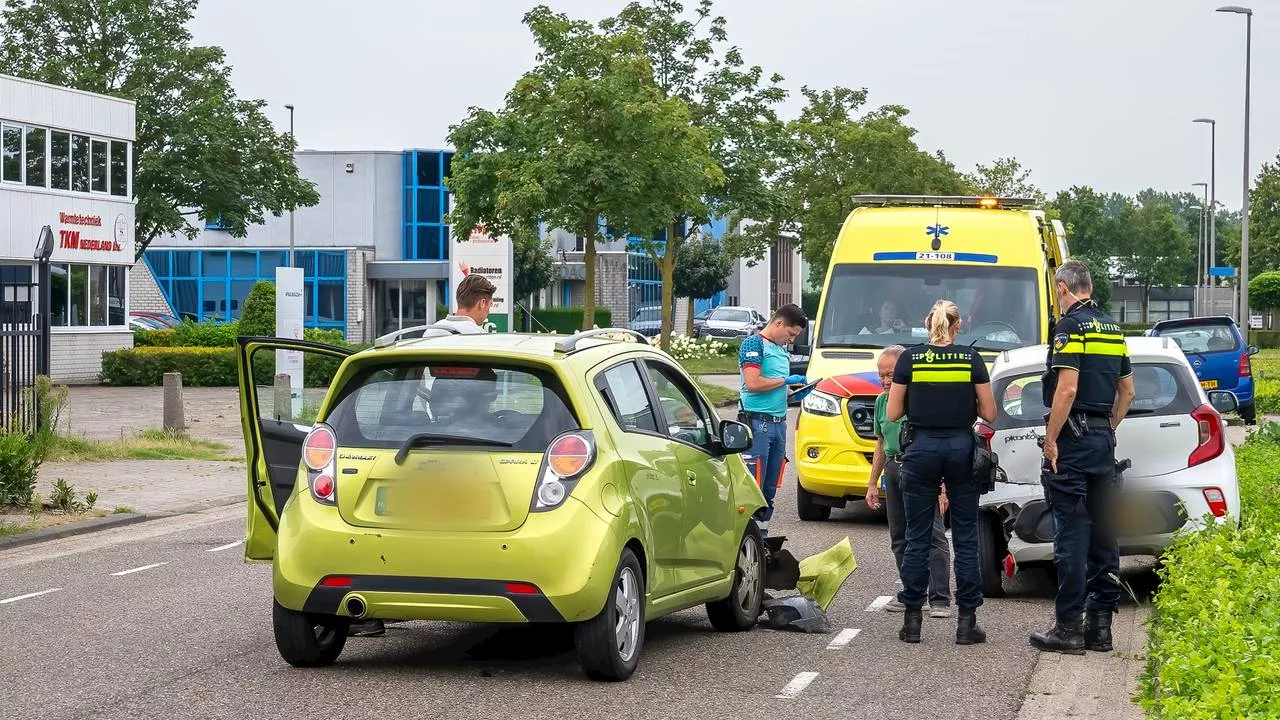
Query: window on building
point(59, 286)
point(87, 295)
point(98, 165)
point(1158, 310)
point(98, 295)
point(426, 202)
point(79, 315)
point(10, 153)
point(80, 163)
point(60, 160)
point(120, 168)
point(37, 156)
point(116, 292)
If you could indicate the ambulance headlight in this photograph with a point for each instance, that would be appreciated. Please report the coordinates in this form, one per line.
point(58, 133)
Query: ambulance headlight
point(820, 403)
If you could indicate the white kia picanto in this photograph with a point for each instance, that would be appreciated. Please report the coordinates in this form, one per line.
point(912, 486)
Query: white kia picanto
point(1183, 469)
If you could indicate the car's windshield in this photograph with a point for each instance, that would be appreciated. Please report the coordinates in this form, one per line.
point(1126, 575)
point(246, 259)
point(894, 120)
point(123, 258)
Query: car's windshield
point(1202, 338)
point(725, 315)
point(510, 407)
point(877, 305)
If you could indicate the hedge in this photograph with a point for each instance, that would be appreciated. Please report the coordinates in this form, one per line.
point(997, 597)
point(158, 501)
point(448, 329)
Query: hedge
point(1265, 338)
point(568, 320)
point(1214, 649)
point(202, 367)
point(224, 335)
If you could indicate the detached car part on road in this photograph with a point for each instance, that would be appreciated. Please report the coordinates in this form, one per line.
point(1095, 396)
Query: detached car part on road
point(496, 478)
point(1178, 467)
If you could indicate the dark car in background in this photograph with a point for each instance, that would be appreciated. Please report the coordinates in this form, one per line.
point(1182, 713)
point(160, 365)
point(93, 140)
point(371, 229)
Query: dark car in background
point(1218, 353)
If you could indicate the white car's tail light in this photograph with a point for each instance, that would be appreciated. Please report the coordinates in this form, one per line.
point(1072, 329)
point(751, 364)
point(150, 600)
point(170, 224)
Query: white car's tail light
point(985, 432)
point(1216, 500)
point(320, 455)
point(567, 458)
point(1210, 441)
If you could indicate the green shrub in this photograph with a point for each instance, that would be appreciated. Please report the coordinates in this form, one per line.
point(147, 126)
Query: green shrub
point(1134, 329)
point(1266, 396)
point(1265, 338)
point(1215, 635)
point(20, 460)
point(203, 367)
point(330, 336)
point(258, 318)
point(154, 338)
point(206, 334)
point(568, 320)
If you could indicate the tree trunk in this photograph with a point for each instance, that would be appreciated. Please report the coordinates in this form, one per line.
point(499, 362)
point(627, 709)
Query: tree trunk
point(589, 261)
point(688, 322)
point(668, 266)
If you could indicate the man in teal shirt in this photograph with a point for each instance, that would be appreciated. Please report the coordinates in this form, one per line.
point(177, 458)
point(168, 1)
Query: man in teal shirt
point(765, 364)
point(887, 461)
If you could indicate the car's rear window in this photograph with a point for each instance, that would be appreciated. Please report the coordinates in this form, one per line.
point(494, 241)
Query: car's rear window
point(513, 408)
point(1159, 389)
point(1202, 338)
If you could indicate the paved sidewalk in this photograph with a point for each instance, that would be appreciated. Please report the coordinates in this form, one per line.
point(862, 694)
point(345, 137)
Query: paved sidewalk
point(108, 413)
point(152, 486)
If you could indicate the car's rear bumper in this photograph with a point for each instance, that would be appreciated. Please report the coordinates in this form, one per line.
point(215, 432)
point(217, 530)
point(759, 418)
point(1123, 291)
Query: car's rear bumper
point(1187, 486)
point(567, 556)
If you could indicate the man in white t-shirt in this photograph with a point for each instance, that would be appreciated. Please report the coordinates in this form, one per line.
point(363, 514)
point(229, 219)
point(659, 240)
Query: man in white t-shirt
point(475, 298)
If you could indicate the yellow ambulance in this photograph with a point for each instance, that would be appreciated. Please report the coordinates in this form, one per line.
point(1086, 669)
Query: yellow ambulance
point(895, 256)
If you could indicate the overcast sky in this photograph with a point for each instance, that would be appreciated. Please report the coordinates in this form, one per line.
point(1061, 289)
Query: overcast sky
point(1090, 92)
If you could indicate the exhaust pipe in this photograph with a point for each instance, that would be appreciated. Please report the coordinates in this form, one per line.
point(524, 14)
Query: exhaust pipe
point(356, 607)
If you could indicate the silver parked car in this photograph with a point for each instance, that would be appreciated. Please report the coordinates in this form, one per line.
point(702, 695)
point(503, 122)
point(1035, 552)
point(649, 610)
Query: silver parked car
point(731, 321)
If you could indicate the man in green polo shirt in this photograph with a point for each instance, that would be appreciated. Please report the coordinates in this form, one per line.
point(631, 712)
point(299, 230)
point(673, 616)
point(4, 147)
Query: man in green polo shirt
point(885, 467)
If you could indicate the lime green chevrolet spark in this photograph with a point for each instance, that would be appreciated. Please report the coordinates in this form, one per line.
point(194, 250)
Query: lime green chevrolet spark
point(498, 478)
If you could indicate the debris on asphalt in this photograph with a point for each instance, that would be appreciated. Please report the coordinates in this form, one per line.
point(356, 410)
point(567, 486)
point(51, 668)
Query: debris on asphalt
point(795, 612)
point(822, 575)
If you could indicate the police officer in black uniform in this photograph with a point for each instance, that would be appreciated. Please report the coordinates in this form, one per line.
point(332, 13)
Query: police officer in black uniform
point(942, 389)
point(1088, 388)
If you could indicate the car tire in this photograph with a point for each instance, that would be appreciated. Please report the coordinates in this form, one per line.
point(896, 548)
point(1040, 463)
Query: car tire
point(308, 641)
point(990, 556)
point(741, 610)
point(808, 507)
point(602, 650)
point(1249, 413)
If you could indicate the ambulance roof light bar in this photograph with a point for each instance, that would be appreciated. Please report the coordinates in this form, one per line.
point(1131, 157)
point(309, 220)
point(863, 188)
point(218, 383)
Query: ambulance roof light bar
point(973, 201)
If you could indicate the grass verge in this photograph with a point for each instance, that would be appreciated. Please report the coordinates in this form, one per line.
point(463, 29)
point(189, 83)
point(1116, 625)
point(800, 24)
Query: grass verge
point(1214, 649)
point(726, 365)
point(716, 394)
point(149, 445)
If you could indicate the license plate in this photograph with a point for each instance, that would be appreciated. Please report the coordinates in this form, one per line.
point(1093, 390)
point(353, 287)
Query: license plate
point(433, 502)
point(1209, 384)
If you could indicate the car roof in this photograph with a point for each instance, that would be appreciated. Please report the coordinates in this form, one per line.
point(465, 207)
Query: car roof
point(1142, 349)
point(1195, 321)
point(544, 347)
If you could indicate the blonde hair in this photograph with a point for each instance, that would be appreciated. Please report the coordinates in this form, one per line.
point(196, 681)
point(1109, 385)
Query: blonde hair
point(942, 322)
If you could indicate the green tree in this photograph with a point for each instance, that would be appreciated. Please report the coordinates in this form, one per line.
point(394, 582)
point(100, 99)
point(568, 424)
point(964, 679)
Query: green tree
point(729, 101)
point(1160, 251)
point(1004, 178)
point(201, 151)
point(1264, 290)
point(534, 268)
point(833, 154)
point(258, 317)
point(585, 135)
point(1264, 221)
point(703, 271)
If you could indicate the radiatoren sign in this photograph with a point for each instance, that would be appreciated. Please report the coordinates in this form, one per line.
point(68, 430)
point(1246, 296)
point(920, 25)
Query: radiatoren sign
point(492, 257)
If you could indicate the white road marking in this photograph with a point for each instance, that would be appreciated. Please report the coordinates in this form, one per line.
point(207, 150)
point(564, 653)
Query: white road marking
point(228, 546)
point(844, 637)
point(796, 686)
point(139, 569)
point(28, 595)
point(879, 603)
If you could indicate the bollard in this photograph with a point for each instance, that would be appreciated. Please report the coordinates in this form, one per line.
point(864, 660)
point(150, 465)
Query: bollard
point(173, 409)
point(283, 405)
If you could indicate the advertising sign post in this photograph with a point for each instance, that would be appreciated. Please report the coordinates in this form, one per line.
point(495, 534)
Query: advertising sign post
point(491, 257)
point(290, 310)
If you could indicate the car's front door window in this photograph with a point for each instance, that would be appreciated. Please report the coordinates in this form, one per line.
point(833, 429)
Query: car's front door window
point(684, 417)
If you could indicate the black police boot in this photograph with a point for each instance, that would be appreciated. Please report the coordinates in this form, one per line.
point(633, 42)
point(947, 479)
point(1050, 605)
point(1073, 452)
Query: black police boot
point(967, 630)
point(1097, 630)
point(1068, 639)
point(911, 620)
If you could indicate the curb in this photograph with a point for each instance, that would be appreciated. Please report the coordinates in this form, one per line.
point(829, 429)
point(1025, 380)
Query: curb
point(110, 522)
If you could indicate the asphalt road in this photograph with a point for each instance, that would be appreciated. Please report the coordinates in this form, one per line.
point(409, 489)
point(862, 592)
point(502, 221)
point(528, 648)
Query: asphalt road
point(190, 636)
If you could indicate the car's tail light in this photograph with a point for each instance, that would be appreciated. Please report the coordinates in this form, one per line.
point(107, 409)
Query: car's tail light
point(985, 432)
point(319, 455)
point(1246, 367)
point(1210, 441)
point(1217, 501)
point(567, 458)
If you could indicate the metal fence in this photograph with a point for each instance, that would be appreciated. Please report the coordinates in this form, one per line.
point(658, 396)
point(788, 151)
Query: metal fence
point(23, 349)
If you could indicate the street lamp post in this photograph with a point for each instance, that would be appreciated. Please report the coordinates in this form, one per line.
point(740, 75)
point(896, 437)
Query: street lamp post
point(293, 142)
point(1202, 253)
point(1244, 212)
point(1213, 205)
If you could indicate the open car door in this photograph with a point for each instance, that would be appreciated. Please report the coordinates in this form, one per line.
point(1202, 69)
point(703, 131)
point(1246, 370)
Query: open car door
point(283, 388)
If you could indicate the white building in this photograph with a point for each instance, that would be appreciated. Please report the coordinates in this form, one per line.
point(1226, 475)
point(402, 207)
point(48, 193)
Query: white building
point(66, 163)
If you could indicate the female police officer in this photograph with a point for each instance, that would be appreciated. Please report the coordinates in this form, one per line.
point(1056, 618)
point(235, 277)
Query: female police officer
point(942, 388)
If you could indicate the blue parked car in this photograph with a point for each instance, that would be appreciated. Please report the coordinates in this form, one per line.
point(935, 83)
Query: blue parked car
point(1217, 352)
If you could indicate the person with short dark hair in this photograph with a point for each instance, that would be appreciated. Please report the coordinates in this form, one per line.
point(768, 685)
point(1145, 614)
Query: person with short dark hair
point(765, 365)
point(475, 298)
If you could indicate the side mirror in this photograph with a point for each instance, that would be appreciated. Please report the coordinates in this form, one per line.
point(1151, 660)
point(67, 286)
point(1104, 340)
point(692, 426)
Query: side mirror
point(735, 437)
point(1224, 401)
point(1252, 350)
